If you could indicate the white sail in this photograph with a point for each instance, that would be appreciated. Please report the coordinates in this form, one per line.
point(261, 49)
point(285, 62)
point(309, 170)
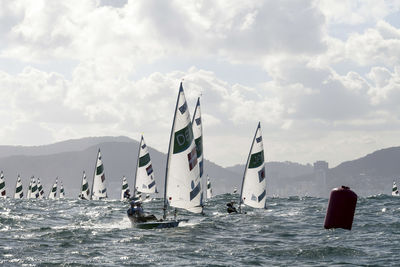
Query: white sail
point(209, 189)
point(395, 191)
point(198, 139)
point(125, 187)
point(182, 178)
point(99, 190)
point(254, 184)
point(18, 188)
point(29, 193)
point(2, 185)
point(34, 191)
point(144, 177)
point(53, 190)
point(62, 193)
point(40, 189)
point(85, 191)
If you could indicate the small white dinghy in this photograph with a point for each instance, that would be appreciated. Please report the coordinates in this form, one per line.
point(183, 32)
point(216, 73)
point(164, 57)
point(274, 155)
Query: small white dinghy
point(125, 192)
point(18, 189)
point(395, 191)
point(182, 177)
point(254, 192)
point(99, 190)
point(53, 191)
point(85, 191)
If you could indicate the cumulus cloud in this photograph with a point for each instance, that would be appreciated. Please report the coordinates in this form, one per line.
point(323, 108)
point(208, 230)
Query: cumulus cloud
point(144, 31)
point(355, 12)
point(385, 89)
point(320, 92)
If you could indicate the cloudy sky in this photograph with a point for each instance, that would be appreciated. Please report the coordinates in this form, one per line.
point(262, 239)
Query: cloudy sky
point(323, 77)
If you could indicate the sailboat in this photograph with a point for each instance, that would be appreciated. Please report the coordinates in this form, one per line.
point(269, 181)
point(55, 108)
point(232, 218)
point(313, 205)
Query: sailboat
point(53, 191)
point(253, 192)
point(395, 191)
point(35, 191)
point(2, 186)
point(198, 139)
point(18, 188)
point(62, 193)
point(99, 190)
point(182, 177)
point(209, 189)
point(125, 188)
point(40, 189)
point(85, 192)
point(29, 193)
point(145, 183)
point(144, 175)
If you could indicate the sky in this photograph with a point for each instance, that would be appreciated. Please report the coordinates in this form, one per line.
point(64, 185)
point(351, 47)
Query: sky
point(322, 77)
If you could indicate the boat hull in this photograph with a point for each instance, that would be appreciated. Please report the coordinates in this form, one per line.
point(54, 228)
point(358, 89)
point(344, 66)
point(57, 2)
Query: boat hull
point(155, 224)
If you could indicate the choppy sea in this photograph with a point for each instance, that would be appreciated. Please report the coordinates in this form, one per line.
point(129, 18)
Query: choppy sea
point(288, 233)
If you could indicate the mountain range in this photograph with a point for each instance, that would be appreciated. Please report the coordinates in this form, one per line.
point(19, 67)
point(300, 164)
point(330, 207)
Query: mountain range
point(68, 159)
point(372, 174)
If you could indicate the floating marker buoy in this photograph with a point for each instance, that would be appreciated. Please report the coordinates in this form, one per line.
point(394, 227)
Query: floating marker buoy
point(341, 208)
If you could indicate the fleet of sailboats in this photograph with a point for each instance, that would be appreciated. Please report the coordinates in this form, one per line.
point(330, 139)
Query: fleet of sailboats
point(184, 180)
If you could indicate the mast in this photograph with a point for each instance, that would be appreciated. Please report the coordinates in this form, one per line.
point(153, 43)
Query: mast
point(94, 173)
point(245, 170)
point(137, 166)
point(168, 155)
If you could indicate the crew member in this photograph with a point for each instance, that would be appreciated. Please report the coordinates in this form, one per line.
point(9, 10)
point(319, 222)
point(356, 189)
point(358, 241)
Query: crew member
point(231, 208)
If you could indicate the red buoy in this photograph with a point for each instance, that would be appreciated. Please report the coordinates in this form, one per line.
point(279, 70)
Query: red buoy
point(341, 208)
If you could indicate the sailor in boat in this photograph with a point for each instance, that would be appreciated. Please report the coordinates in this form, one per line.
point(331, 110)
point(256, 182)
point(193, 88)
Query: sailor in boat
point(231, 208)
point(127, 194)
point(137, 213)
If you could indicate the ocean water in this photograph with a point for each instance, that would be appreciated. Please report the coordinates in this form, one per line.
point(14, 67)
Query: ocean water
point(288, 233)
